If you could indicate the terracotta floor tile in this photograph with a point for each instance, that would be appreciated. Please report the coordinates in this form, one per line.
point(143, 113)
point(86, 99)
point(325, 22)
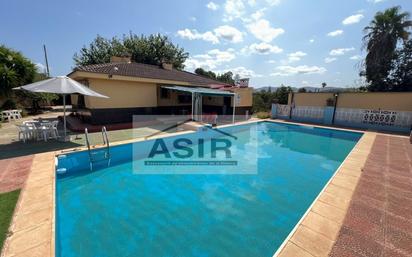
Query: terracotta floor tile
point(379, 218)
point(358, 243)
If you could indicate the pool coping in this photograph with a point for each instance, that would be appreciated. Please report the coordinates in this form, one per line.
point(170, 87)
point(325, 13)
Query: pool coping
point(315, 233)
point(33, 224)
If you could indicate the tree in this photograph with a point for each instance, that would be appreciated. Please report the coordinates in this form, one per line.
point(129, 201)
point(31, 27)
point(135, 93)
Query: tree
point(381, 38)
point(400, 78)
point(15, 70)
point(153, 49)
point(302, 90)
point(204, 73)
point(262, 100)
point(226, 77)
point(324, 84)
point(282, 94)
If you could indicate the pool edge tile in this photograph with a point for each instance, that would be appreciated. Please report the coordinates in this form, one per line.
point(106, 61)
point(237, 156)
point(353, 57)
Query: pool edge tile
point(31, 231)
point(329, 204)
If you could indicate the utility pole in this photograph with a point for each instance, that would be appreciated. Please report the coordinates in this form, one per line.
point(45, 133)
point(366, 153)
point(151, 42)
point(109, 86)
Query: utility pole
point(47, 63)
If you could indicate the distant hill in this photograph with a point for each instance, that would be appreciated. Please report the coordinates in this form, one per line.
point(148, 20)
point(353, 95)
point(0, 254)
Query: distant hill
point(308, 89)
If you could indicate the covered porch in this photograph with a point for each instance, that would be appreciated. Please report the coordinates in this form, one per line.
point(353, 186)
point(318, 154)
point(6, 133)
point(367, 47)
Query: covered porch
point(206, 102)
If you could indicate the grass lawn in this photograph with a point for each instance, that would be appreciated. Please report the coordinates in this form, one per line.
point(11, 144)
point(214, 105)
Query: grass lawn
point(7, 203)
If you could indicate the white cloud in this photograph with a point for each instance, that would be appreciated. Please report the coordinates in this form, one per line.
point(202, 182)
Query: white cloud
point(376, 1)
point(311, 40)
point(243, 72)
point(335, 33)
point(212, 6)
point(262, 48)
point(223, 32)
point(353, 19)
point(193, 18)
point(262, 30)
point(296, 70)
point(229, 33)
point(40, 67)
point(271, 61)
point(330, 59)
point(210, 60)
point(296, 56)
point(233, 9)
point(258, 14)
point(194, 34)
point(356, 57)
point(340, 51)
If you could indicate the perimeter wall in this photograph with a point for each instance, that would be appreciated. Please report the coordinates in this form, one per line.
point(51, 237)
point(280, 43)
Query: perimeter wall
point(391, 111)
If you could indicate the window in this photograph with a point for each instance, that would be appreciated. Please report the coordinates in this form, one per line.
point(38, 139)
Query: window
point(164, 93)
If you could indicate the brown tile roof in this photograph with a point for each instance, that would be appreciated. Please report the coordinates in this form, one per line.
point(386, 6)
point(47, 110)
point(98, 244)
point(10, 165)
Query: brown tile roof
point(148, 71)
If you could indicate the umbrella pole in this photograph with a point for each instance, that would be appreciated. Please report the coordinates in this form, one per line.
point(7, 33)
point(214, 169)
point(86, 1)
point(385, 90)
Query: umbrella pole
point(64, 116)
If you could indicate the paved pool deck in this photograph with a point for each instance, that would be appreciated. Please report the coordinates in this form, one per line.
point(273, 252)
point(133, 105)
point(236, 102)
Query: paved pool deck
point(340, 222)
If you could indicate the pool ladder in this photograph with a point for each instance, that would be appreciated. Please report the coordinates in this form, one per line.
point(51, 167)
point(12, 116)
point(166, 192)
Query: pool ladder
point(93, 155)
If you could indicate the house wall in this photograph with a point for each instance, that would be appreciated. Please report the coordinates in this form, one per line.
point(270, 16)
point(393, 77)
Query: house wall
point(246, 96)
point(123, 94)
point(213, 100)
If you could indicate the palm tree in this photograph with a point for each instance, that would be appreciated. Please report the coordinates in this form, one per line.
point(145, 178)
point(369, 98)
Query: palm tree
point(382, 36)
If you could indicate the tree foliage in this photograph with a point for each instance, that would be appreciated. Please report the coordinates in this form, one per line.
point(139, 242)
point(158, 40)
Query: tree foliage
point(226, 77)
point(153, 49)
point(385, 33)
point(15, 70)
point(262, 100)
point(400, 78)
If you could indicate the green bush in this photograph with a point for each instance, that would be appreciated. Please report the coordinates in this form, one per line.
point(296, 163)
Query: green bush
point(263, 115)
point(9, 104)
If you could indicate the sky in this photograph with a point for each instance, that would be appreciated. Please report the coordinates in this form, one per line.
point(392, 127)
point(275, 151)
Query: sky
point(292, 42)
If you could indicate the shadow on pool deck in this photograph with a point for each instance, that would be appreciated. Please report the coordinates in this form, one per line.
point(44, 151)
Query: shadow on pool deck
point(11, 147)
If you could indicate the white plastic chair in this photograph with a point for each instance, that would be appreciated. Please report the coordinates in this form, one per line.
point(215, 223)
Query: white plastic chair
point(54, 132)
point(17, 114)
point(43, 131)
point(24, 133)
point(7, 115)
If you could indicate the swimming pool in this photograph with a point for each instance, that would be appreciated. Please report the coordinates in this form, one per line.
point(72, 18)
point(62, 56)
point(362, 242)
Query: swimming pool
point(113, 211)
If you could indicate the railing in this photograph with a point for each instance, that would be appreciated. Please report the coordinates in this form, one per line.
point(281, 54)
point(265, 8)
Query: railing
point(105, 142)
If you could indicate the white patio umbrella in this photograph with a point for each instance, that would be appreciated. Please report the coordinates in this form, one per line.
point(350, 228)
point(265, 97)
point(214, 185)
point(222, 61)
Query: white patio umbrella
point(62, 85)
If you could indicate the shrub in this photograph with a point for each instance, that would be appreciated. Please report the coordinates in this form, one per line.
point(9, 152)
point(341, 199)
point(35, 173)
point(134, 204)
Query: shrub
point(263, 115)
point(9, 104)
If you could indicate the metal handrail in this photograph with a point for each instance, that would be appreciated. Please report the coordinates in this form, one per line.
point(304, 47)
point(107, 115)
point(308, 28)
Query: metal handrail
point(106, 141)
point(86, 136)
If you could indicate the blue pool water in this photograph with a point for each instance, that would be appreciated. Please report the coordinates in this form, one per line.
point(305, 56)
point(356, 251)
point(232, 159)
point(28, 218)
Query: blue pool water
point(112, 211)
